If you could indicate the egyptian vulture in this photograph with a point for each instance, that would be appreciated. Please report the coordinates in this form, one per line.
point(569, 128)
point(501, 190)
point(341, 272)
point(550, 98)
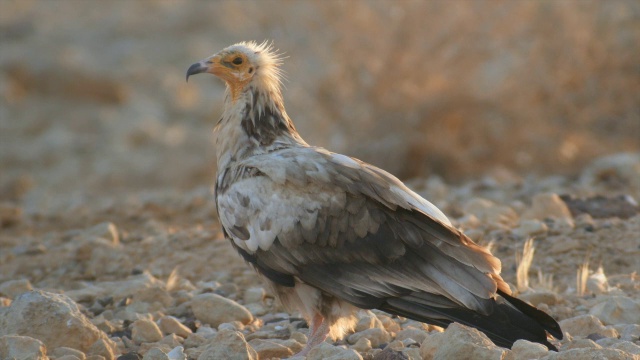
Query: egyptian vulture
point(333, 234)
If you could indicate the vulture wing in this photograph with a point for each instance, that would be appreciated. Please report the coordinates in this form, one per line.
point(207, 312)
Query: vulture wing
point(357, 233)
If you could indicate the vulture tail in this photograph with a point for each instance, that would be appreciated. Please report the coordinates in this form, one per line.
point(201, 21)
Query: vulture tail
point(511, 319)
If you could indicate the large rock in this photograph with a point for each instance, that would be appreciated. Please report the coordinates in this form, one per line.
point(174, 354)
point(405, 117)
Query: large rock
point(52, 318)
point(462, 343)
point(214, 310)
point(229, 345)
point(22, 348)
point(617, 310)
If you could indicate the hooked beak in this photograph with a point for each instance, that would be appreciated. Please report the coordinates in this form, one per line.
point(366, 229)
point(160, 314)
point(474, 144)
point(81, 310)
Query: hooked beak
point(197, 68)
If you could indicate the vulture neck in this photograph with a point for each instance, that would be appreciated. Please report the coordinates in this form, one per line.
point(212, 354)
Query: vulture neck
point(253, 123)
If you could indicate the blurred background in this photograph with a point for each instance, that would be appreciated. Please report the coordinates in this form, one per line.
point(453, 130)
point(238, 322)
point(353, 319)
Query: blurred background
point(93, 100)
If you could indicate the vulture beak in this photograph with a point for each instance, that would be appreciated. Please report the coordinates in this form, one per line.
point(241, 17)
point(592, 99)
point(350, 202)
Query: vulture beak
point(197, 68)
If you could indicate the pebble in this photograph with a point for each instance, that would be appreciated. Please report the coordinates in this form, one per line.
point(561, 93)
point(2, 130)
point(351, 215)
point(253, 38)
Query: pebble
point(627, 346)
point(171, 325)
point(561, 244)
point(486, 211)
point(41, 314)
point(629, 332)
point(597, 282)
point(177, 353)
point(523, 349)
point(253, 295)
point(68, 357)
point(362, 345)
point(460, 342)
point(104, 348)
point(214, 310)
point(376, 336)
point(9, 214)
point(267, 349)
point(326, 351)
point(579, 344)
point(229, 345)
point(105, 230)
point(538, 297)
point(13, 288)
point(368, 320)
point(64, 351)
point(547, 205)
point(530, 228)
point(585, 325)
point(155, 354)
point(617, 310)
point(145, 331)
point(590, 354)
point(412, 333)
point(22, 347)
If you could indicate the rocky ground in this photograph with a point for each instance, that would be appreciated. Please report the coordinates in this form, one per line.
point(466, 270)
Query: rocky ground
point(152, 278)
point(109, 248)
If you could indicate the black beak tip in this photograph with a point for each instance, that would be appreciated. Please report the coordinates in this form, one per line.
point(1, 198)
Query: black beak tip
point(196, 68)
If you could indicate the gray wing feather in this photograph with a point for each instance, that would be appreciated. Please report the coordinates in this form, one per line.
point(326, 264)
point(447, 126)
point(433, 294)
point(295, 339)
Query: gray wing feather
point(352, 230)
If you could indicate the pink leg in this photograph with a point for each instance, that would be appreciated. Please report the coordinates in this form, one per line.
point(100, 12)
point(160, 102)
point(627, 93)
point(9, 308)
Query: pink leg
point(318, 331)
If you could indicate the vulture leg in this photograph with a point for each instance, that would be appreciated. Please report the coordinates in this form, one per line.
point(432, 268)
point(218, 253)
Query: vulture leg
point(318, 332)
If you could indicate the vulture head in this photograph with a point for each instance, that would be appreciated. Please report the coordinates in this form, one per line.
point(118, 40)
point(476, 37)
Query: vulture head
point(242, 65)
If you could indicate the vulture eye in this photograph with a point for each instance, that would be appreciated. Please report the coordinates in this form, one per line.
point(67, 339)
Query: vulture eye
point(237, 61)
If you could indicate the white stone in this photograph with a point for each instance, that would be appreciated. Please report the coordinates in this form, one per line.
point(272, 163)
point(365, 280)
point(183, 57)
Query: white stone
point(105, 230)
point(171, 325)
point(177, 353)
point(362, 345)
point(412, 333)
point(590, 354)
point(326, 351)
point(547, 205)
point(617, 310)
point(585, 325)
point(529, 228)
point(214, 310)
point(523, 349)
point(254, 295)
point(229, 345)
point(376, 336)
point(627, 346)
point(538, 297)
point(267, 349)
point(145, 331)
point(463, 343)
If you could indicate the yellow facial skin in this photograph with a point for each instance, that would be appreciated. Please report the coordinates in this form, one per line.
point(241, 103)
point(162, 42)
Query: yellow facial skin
point(232, 67)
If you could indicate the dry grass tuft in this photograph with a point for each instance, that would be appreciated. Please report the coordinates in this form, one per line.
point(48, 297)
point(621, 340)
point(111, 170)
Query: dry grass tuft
point(524, 264)
point(583, 276)
point(545, 281)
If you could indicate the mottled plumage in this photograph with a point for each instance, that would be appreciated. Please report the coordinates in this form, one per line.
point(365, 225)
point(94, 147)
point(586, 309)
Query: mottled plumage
point(332, 234)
